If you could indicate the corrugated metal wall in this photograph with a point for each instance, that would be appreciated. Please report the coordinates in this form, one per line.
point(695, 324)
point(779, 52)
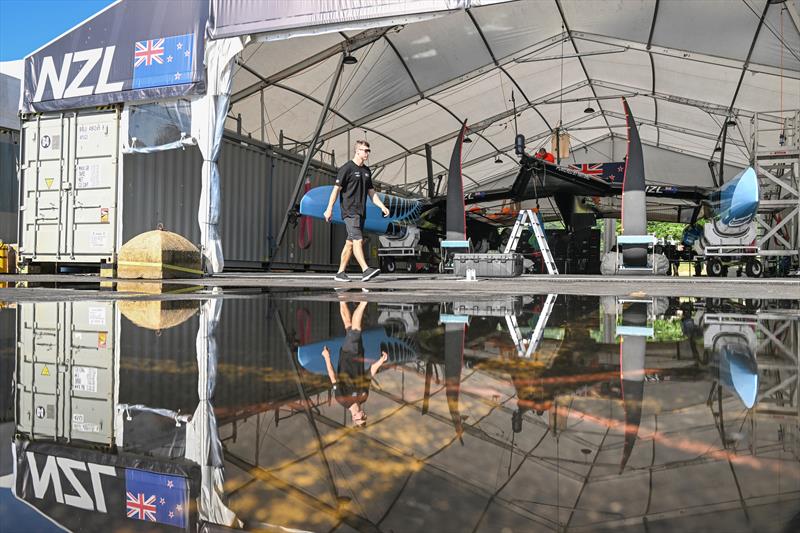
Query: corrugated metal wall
point(164, 188)
point(9, 189)
point(243, 225)
point(161, 188)
point(326, 241)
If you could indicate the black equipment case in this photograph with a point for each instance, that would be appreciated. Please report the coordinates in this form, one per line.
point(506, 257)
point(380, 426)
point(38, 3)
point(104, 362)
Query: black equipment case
point(488, 265)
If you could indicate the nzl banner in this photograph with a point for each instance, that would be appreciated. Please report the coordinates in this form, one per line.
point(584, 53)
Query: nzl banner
point(132, 50)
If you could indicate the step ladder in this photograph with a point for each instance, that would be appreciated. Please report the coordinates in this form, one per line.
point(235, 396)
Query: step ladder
point(527, 216)
point(527, 347)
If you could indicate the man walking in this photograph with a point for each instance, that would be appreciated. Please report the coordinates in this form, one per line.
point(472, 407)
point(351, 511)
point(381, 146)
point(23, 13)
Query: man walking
point(354, 183)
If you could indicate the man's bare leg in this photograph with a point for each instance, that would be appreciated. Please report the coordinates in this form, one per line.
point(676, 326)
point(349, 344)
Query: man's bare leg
point(344, 312)
point(347, 252)
point(358, 314)
point(358, 251)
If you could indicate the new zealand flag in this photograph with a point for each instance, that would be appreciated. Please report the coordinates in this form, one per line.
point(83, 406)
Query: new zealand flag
point(156, 497)
point(611, 172)
point(163, 61)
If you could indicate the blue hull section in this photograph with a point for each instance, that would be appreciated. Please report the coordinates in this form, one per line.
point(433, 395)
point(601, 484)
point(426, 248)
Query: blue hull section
point(402, 211)
point(736, 202)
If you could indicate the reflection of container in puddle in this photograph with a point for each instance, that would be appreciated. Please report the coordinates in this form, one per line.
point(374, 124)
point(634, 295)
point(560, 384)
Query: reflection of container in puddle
point(143, 352)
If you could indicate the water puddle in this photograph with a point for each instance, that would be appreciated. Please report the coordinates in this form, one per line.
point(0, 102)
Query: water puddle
point(261, 411)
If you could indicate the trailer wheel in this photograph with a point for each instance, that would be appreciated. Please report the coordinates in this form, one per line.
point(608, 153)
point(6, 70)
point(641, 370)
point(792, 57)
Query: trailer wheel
point(389, 265)
point(754, 268)
point(714, 267)
point(752, 304)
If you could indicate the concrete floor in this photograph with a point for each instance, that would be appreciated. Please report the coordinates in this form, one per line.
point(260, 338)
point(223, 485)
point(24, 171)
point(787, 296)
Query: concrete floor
point(401, 287)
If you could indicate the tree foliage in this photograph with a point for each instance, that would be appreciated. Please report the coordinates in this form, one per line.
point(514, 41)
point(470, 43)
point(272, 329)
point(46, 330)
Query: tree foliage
point(666, 230)
point(672, 231)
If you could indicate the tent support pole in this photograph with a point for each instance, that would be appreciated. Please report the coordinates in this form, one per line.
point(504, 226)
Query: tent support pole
point(263, 120)
point(309, 154)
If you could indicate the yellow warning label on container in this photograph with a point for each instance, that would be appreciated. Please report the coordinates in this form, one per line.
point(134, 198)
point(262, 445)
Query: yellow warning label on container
point(45, 371)
point(104, 215)
point(49, 182)
point(101, 339)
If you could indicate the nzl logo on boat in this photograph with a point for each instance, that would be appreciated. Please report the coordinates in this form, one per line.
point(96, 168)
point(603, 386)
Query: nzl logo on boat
point(659, 189)
point(154, 62)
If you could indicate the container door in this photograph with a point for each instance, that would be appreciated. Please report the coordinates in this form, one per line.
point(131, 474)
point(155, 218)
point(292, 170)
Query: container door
point(69, 179)
point(45, 183)
point(39, 380)
point(92, 205)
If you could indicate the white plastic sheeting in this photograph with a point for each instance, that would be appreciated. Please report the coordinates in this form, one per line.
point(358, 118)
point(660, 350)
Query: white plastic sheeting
point(208, 124)
point(294, 18)
point(158, 126)
point(683, 65)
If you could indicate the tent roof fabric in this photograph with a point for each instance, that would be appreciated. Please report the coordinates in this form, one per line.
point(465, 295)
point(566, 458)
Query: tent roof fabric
point(684, 67)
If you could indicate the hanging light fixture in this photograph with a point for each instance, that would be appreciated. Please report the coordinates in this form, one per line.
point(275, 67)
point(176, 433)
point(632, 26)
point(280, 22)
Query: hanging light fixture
point(497, 160)
point(467, 140)
point(589, 109)
point(349, 59)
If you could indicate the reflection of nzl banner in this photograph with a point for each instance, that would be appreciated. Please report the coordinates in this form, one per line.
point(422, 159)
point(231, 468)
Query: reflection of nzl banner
point(163, 61)
point(156, 497)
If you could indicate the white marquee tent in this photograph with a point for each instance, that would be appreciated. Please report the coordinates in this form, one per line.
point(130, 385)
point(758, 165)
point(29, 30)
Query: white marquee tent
point(424, 66)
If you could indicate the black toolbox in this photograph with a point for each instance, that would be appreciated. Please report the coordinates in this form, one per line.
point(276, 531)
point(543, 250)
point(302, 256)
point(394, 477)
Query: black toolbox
point(488, 265)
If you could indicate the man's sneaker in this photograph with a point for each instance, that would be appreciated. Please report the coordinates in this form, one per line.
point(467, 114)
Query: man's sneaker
point(341, 276)
point(369, 273)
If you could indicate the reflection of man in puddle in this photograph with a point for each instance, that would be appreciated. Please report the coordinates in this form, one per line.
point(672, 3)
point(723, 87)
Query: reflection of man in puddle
point(350, 380)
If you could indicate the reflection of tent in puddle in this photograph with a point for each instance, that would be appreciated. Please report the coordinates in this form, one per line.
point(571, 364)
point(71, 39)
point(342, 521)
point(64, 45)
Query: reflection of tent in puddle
point(158, 314)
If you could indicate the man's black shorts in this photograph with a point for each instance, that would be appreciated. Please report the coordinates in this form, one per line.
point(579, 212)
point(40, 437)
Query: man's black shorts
point(354, 225)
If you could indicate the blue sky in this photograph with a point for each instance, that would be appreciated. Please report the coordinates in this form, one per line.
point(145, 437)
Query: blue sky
point(25, 25)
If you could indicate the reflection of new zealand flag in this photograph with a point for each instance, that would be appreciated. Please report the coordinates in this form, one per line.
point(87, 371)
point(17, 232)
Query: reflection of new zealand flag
point(156, 497)
point(163, 61)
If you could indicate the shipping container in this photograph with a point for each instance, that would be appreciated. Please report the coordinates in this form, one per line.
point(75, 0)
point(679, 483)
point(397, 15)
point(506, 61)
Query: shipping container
point(79, 205)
